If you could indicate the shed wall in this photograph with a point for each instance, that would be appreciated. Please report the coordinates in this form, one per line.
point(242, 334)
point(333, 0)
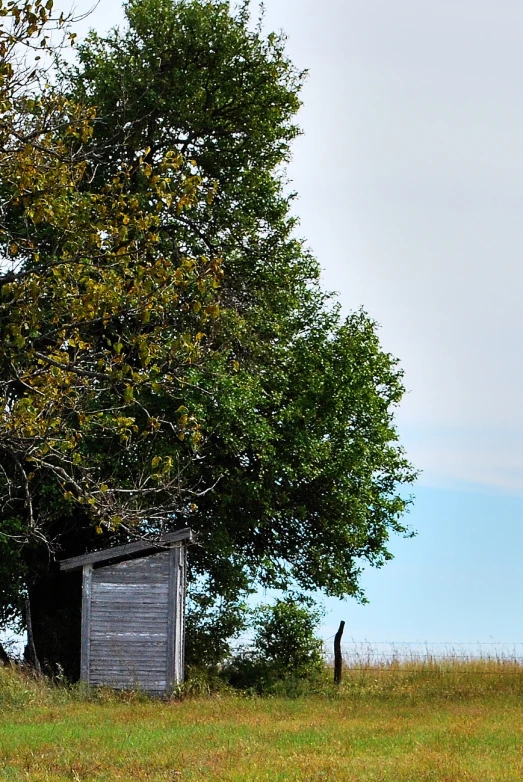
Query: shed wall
point(133, 633)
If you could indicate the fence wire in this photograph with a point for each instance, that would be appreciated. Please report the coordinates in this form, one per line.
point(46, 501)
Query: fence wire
point(411, 655)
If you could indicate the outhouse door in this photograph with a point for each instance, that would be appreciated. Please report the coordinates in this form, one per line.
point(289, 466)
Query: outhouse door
point(133, 622)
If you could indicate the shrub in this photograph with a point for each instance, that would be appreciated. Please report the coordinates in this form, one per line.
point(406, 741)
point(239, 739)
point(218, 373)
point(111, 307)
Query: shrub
point(285, 654)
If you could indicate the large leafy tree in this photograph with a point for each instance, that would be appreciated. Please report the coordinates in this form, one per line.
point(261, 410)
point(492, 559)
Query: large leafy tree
point(284, 409)
point(98, 326)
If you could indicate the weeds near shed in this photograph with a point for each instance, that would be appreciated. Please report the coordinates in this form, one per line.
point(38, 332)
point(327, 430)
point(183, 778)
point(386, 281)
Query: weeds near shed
point(19, 687)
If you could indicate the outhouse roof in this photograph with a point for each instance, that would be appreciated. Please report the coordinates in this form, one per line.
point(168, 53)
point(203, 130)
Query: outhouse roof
point(136, 547)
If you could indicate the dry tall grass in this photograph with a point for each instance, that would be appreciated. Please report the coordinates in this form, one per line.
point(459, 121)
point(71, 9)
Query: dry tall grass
point(439, 720)
point(434, 677)
point(426, 679)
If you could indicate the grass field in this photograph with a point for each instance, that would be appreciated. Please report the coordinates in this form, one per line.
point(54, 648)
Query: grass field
point(434, 721)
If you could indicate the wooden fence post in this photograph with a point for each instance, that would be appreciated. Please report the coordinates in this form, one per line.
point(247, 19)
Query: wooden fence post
point(338, 662)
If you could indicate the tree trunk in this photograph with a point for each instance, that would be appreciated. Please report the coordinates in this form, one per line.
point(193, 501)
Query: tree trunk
point(338, 661)
point(4, 657)
point(30, 649)
point(56, 600)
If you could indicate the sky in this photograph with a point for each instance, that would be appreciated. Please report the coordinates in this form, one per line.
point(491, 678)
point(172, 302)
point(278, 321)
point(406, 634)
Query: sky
point(410, 181)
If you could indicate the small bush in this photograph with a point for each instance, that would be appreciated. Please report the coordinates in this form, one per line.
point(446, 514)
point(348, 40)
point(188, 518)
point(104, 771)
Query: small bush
point(201, 682)
point(286, 656)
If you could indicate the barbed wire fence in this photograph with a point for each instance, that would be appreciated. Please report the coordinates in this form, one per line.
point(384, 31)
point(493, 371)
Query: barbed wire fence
point(411, 655)
point(364, 655)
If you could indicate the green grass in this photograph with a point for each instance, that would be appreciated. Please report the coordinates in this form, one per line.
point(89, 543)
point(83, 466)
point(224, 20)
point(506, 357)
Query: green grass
point(437, 722)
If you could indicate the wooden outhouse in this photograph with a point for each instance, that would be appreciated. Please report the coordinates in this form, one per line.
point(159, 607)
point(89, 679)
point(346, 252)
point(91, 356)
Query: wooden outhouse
point(133, 613)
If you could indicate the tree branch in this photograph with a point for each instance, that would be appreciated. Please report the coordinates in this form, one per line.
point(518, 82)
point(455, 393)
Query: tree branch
point(72, 368)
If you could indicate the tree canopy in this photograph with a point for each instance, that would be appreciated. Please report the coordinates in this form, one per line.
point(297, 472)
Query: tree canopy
point(168, 355)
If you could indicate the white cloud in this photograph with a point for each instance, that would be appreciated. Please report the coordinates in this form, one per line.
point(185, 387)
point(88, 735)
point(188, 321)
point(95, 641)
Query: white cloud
point(474, 458)
point(410, 177)
point(411, 181)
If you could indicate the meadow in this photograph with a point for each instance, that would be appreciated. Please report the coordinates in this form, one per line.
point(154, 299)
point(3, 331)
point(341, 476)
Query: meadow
point(437, 720)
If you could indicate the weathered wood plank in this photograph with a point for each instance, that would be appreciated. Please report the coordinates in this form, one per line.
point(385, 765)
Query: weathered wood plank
point(158, 578)
point(127, 606)
point(171, 622)
point(126, 662)
point(143, 606)
point(146, 644)
point(103, 653)
point(153, 567)
point(130, 678)
point(155, 577)
point(158, 688)
point(129, 635)
point(139, 611)
point(86, 623)
point(115, 552)
point(125, 665)
point(106, 624)
point(128, 646)
point(151, 630)
point(127, 610)
point(103, 676)
point(179, 569)
point(127, 669)
point(121, 616)
point(103, 650)
point(130, 682)
point(143, 614)
point(131, 600)
point(108, 659)
point(130, 591)
point(122, 635)
point(155, 686)
point(129, 672)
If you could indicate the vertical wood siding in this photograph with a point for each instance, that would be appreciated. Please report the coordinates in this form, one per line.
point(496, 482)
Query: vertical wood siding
point(176, 632)
point(86, 622)
point(133, 623)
